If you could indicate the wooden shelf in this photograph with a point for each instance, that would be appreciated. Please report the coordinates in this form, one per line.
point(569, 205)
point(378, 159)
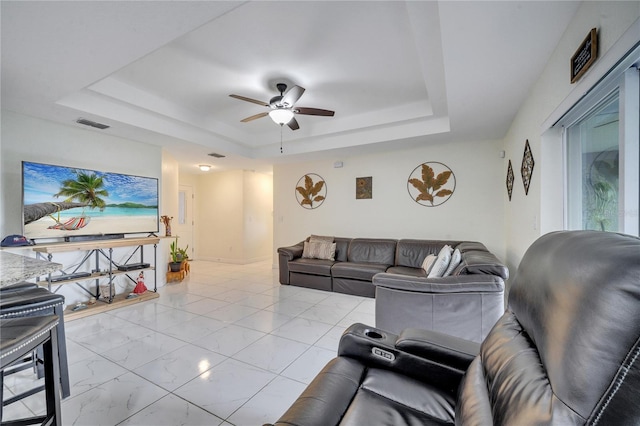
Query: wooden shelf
point(93, 249)
point(119, 301)
point(95, 275)
point(94, 244)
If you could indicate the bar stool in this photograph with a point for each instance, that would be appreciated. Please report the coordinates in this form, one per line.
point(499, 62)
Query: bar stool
point(30, 360)
point(21, 336)
point(23, 285)
point(25, 300)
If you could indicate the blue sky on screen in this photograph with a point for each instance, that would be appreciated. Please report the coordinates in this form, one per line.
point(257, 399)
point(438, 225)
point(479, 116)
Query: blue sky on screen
point(42, 181)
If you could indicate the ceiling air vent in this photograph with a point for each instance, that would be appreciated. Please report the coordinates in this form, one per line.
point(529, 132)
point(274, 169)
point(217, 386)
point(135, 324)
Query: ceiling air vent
point(92, 123)
point(216, 155)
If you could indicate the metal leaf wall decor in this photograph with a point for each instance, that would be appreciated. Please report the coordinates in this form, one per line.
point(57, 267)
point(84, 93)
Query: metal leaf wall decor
point(527, 167)
point(510, 179)
point(311, 191)
point(431, 184)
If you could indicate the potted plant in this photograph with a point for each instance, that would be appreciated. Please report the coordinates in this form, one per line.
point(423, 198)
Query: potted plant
point(183, 253)
point(176, 257)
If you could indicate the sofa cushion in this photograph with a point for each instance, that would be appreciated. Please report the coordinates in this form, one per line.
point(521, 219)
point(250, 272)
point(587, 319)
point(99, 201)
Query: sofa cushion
point(372, 250)
point(320, 239)
point(428, 262)
point(357, 271)
point(311, 266)
point(456, 258)
point(413, 252)
point(342, 248)
point(442, 262)
point(385, 397)
point(349, 393)
point(319, 250)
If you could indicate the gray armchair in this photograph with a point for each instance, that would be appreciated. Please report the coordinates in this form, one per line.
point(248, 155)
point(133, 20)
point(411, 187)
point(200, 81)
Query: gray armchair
point(465, 306)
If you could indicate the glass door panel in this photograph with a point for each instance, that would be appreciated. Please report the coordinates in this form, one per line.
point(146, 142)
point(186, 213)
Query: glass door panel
point(593, 169)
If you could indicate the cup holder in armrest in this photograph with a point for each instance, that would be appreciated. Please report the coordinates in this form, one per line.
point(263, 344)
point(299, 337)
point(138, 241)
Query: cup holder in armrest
point(373, 334)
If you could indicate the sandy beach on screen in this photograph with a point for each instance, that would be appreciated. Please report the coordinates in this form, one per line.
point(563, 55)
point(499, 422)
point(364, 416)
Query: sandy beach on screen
point(96, 226)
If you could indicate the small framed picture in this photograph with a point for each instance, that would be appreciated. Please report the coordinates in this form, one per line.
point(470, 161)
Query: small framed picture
point(364, 188)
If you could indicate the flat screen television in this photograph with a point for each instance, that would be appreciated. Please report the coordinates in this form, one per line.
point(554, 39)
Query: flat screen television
point(61, 202)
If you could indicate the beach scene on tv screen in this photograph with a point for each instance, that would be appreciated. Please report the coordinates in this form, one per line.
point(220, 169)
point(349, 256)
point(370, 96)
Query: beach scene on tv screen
point(63, 201)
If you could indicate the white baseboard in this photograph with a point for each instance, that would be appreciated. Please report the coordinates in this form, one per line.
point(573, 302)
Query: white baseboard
point(235, 261)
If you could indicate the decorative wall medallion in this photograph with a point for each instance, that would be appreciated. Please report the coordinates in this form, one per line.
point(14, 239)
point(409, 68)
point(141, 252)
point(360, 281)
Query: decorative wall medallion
point(311, 191)
point(527, 167)
point(431, 184)
point(510, 179)
point(364, 188)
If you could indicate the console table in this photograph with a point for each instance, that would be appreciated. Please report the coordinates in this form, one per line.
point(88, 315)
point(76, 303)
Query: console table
point(94, 250)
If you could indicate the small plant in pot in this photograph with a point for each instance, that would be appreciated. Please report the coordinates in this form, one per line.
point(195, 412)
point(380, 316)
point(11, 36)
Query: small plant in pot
point(176, 256)
point(183, 253)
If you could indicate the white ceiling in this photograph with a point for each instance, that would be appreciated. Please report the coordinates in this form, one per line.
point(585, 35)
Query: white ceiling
point(396, 73)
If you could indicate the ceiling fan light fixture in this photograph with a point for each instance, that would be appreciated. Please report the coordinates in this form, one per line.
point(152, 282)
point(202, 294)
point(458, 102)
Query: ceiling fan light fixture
point(281, 116)
point(204, 167)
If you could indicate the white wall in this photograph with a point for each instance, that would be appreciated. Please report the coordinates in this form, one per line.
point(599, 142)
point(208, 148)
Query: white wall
point(29, 139)
point(220, 210)
point(258, 215)
point(474, 211)
point(170, 176)
point(234, 221)
point(529, 216)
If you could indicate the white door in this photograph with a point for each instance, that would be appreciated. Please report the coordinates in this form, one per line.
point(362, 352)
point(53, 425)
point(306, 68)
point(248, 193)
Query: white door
point(184, 225)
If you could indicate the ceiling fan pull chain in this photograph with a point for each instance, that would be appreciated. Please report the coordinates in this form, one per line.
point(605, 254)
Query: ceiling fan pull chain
point(281, 138)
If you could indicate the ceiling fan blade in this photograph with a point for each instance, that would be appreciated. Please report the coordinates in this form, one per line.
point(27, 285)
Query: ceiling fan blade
point(255, 101)
point(293, 124)
point(314, 111)
point(292, 96)
point(253, 117)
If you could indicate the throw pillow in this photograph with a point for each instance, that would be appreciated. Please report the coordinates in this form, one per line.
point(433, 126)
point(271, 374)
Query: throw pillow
point(456, 258)
point(441, 263)
point(428, 262)
point(319, 250)
point(320, 238)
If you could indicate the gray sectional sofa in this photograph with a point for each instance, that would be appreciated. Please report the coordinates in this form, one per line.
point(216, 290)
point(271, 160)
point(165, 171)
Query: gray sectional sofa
point(358, 260)
point(465, 304)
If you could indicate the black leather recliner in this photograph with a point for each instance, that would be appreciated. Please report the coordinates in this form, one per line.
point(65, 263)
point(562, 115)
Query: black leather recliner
point(566, 352)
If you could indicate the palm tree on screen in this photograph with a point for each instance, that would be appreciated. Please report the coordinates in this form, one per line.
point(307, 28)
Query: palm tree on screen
point(86, 189)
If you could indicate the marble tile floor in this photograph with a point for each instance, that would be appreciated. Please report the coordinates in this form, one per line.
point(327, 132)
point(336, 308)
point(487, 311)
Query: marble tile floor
point(227, 346)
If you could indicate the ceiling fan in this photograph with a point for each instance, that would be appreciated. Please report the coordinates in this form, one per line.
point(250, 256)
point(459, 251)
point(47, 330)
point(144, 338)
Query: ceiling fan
point(283, 109)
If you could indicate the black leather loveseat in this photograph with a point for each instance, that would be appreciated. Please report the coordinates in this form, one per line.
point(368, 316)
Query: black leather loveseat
point(357, 260)
point(567, 352)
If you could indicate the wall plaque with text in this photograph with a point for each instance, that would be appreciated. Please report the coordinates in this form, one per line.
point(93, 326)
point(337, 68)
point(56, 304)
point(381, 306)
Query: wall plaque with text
point(585, 56)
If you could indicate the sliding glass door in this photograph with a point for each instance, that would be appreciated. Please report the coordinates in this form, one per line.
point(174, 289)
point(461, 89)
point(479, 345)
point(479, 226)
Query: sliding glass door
point(602, 159)
point(593, 168)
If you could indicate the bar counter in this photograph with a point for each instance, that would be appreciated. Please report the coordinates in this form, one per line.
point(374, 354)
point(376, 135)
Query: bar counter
point(15, 268)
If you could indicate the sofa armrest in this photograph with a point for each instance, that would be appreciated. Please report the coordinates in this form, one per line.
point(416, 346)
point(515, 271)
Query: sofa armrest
point(450, 284)
point(439, 347)
point(479, 262)
point(377, 348)
point(292, 252)
point(285, 254)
